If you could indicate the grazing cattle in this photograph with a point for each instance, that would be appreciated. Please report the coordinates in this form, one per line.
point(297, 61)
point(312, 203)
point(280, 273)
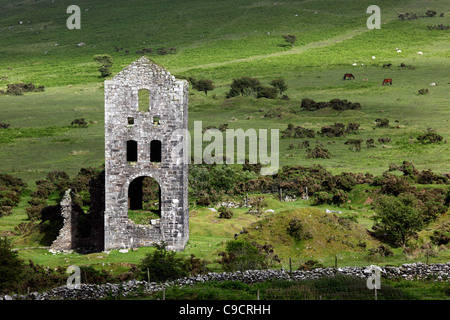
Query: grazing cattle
point(387, 65)
point(349, 76)
point(387, 81)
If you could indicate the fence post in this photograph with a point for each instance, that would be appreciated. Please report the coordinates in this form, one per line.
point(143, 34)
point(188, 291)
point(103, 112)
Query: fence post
point(335, 263)
point(290, 266)
point(257, 294)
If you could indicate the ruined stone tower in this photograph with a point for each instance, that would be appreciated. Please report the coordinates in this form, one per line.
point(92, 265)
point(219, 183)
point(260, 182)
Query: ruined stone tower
point(145, 143)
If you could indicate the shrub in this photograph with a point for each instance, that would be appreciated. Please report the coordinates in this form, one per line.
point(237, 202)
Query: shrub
point(384, 140)
point(335, 130)
point(279, 84)
point(242, 255)
point(165, 51)
point(323, 197)
point(297, 132)
point(335, 104)
point(256, 205)
point(429, 136)
point(35, 212)
point(81, 122)
point(162, 265)
point(243, 86)
point(391, 184)
point(297, 230)
point(318, 152)
point(352, 127)
point(381, 251)
point(11, 266)
point(225, 213)
point(20, 88)
point(267, 92)
point(370, 143)
point(354, 144)
point(430, 13)
point(382, 123)
point(4, 125)
point(441, 236)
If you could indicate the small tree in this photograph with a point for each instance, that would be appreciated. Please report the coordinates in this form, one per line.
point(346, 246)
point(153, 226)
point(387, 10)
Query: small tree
point(204, 85)
point(290, 38)
point(105, 62)
point(399, 217)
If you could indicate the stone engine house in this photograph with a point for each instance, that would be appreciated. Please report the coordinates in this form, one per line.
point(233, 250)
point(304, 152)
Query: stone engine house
point(146, 115)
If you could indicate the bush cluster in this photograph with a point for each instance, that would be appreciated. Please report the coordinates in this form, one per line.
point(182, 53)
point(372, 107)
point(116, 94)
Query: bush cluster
point(412, 15)
point(429, 136)
point(382, 123)
point(20, 88)
point(318, 152)
point(162, 265)
point(439, 27)
point(4, 125)
point(243, 255)
point(247, 86)
point(18, 276)
point(297, 132)
point(335, 104)
point(11, 190)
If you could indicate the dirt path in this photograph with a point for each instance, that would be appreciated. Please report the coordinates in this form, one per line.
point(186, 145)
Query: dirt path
point(295, 50)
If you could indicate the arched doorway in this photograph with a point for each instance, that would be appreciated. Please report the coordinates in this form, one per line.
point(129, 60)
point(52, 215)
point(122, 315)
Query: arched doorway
point(144, 200)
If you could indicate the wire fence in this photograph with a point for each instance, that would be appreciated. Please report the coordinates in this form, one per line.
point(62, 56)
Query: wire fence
point(338, 287)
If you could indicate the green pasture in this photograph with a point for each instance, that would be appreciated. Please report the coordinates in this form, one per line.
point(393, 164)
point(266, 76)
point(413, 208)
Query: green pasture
point(223, 40)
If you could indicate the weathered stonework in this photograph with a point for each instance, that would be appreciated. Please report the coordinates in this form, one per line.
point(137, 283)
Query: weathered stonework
point(65, 240)
point(168, 102)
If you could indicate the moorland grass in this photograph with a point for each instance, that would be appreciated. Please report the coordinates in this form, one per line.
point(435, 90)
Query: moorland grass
point(222, 41)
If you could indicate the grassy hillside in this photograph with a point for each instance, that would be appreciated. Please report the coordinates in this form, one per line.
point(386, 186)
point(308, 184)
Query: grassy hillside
point(224, 40)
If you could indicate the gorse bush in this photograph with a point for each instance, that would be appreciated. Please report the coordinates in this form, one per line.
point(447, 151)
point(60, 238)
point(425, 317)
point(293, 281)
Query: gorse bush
point(21, 88)
point(163, 265)
point(11, 267)
point(247, 86)
point(429, 136)
point(335, 104)
point(242, 255)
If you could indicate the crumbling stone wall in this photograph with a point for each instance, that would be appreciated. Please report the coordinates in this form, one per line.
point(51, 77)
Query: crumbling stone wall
point(80, 231)
point(65, 240)
point(168, 102)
